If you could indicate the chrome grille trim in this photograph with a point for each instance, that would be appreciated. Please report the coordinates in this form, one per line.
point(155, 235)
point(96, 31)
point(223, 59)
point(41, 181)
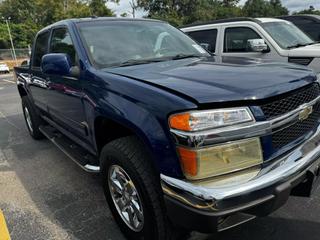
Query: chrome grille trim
point(236, 132)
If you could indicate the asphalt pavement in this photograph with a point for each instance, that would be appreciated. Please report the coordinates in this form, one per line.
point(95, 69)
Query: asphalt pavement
point(44, 195)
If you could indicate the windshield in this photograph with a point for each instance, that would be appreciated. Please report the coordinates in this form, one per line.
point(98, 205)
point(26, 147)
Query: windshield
point(287, 35)
point(123, 43)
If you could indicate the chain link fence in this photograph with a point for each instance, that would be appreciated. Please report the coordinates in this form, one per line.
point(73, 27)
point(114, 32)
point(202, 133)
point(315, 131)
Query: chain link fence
point(21, 53)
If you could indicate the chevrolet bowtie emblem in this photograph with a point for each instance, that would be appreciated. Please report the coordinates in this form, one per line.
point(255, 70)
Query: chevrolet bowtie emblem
point(305, 113)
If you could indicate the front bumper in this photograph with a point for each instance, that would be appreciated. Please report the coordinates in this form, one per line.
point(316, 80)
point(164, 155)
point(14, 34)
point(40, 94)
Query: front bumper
point(208, 208)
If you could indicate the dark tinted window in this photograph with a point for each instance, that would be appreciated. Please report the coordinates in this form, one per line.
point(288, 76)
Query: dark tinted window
point(235, 39)
point(61, 43)
point(206, 36)
point(309, 26)
point(40, 49)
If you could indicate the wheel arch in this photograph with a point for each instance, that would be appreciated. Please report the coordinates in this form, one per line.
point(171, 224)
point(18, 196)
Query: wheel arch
point(107, 130)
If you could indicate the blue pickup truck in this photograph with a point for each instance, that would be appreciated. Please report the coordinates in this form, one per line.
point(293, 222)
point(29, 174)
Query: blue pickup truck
point(183, 140)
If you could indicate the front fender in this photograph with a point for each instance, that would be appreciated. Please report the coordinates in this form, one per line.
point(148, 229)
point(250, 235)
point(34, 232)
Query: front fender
point(142, 108)
point(147, 128)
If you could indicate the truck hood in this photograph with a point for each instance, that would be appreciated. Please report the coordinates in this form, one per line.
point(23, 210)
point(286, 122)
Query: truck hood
point(220, 79)
point(307, 51)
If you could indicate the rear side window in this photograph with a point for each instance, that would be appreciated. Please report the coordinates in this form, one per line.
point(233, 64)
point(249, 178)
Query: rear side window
point(236, 39)
point(61, 43)
point(206, 36)
point(41, 47)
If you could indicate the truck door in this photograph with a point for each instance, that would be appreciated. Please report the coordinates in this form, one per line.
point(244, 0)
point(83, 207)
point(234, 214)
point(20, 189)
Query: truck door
point(65, 93)
point(38, 83)
point(235, 43)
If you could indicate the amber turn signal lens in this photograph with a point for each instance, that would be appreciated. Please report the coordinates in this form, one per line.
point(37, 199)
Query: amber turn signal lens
point(188, 160)
point(180, 121)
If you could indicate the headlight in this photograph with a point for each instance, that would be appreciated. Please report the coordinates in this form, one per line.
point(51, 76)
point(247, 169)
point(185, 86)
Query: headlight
point(220, 159)
point(201, 120)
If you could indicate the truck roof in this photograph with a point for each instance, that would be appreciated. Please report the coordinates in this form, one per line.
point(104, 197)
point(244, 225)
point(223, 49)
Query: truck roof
point(310, 16)
point(238, 19)
point(97, 19)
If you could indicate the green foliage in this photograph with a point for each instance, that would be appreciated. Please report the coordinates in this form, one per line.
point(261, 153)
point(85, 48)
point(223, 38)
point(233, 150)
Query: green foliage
point(277, 8)
point(311, 10)
point(99, 8)
point(22, 35)
point(179, 12)
point(27, 17)
point(263, 8)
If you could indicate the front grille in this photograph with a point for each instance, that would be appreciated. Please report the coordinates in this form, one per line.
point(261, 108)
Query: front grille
point(297, 130)
point(284, 105)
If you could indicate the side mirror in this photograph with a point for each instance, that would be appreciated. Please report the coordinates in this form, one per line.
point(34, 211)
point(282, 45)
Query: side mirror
point(206, 46)
point(258, 45)
point(58, 64)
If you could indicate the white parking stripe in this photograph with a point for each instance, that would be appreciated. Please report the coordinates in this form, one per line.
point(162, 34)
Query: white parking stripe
point(9, 81)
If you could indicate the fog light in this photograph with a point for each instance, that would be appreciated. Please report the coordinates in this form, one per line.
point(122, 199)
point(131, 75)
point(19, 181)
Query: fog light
point(220, 159)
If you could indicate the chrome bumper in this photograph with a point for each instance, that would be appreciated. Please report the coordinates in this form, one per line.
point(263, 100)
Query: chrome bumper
point(214, 198)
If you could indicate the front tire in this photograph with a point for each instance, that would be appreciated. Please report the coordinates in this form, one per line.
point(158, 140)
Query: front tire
point(32, 118)
point(133, 191)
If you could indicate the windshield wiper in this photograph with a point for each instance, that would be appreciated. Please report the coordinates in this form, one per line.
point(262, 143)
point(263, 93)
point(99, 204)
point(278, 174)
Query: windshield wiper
point(300, 45)
point(131, 62)
point(182, 56)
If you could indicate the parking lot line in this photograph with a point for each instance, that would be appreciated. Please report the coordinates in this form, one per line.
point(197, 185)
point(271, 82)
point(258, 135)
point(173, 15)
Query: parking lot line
point(4, 233)
point(9, 81)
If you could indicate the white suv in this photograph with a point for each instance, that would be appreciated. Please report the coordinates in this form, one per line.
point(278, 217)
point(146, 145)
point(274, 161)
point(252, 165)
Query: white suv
point(266, 38)
point(4, 68)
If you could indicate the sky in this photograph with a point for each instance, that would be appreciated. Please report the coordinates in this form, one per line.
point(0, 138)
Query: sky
point(292, 5)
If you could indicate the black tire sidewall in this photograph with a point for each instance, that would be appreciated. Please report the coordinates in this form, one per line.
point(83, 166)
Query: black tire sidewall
point(113, 157)
point(35, 118)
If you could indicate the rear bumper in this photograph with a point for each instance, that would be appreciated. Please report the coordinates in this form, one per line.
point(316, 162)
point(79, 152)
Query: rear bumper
point(208, 208)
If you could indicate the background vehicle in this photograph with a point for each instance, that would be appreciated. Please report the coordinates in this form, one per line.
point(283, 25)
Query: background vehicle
point(310, 24)
point(181, 140)
point(266, 38)
point(4, 68)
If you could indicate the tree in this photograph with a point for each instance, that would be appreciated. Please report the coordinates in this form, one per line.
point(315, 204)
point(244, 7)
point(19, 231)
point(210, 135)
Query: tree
point(277, 8)
point(310, 10)
point(99, 8)
point(28, 17)
point(124, 14)
point(263, 8)
point(134, 7)
point(257, 8)
point(179, 12)
point(20, 11)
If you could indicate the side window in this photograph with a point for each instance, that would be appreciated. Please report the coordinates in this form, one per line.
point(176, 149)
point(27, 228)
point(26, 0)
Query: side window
point(206, 36)
point(236, 38)
point(41, 47)
point(61, 43)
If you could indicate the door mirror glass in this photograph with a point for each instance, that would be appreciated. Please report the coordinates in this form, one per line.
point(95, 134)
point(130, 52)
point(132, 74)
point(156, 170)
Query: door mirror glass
point(58, 64)
point(257, 45)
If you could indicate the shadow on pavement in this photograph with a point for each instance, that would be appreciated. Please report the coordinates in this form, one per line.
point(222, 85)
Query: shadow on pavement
point(271, 228)
point(71, 200)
